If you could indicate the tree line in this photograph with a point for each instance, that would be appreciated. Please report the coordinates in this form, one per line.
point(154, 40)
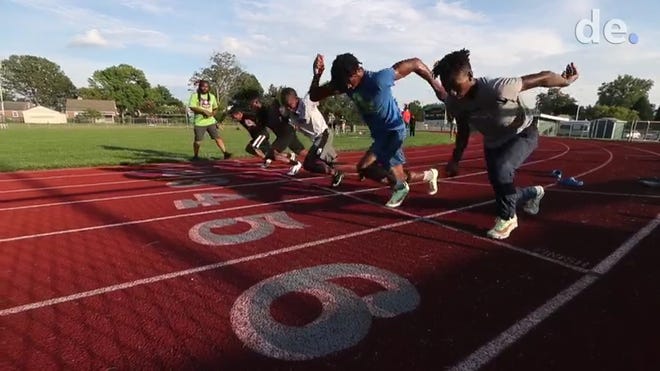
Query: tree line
point(625, 98)
point(41, 81)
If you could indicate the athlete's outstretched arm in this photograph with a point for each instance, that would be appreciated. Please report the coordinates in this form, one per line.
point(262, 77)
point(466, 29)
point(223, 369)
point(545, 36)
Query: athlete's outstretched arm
point(549, 79)
point(406, 67)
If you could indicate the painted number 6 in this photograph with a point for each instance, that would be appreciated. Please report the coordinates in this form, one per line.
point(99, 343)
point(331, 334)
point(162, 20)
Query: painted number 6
point(343, 322)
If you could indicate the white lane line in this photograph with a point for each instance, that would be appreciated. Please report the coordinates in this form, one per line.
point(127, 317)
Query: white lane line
point(443, 225)
point(178, 216)
point(140, 195)
point(495, 347)
point(250, 170)
point(566, 149)
point(639, 149)
point(167, 276)
point(150, 220)
point(158, 278)
point(561, 190)
point(118, 170)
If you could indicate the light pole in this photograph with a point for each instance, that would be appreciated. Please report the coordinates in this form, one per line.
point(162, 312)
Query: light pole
point(577, 114)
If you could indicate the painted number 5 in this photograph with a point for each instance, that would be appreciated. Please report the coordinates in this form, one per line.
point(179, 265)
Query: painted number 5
point(343, 322)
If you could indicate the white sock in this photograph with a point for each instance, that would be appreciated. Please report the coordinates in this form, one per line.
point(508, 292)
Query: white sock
point(292, 156)
point(427, 175)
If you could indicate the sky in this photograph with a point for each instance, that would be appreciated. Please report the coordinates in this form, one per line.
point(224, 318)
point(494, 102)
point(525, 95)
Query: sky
point(277, 40)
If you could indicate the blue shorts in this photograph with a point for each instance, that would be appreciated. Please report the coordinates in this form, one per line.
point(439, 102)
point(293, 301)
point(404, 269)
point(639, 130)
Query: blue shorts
point(387, 147)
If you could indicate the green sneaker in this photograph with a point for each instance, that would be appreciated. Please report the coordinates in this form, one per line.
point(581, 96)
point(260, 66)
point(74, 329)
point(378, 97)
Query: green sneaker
point(398, 195)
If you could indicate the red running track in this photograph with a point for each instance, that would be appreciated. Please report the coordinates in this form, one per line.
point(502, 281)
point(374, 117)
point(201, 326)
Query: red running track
point(227, 266)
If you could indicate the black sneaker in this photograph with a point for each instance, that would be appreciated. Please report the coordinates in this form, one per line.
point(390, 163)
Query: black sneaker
point(195, 158)
point(337, 178)
point(227, 155)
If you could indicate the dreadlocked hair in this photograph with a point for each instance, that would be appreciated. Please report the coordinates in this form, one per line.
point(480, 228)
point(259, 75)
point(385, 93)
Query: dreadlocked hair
point(451, 64)
point(199, 89)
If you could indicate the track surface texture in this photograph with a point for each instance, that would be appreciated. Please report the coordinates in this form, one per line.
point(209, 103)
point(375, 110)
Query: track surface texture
point(224, 265)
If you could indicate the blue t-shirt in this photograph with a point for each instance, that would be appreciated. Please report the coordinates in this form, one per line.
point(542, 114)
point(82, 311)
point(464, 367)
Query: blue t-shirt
point(375, 102)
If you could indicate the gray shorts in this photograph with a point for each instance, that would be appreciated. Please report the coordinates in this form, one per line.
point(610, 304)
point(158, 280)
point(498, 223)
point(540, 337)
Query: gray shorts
point(322, 149)
point(211, 129)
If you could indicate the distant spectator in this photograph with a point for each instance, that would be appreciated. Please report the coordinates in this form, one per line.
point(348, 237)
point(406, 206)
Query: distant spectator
point(413, 122)
point(342, 125)
point(406, 115)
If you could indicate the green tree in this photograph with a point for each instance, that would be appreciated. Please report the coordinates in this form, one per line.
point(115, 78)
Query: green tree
point(416, 110)
point(89, 115)
point(554, 102)
point(222, 74)
point(7, 95)
point(341, 105)
point(246, 82)
point(159, 97)
point(657, 114)
point(37, 80)
point(624, 91)
point(644, 108)
point(92, 93)
point(124, 84)
point(273, 94)
point(621, 113)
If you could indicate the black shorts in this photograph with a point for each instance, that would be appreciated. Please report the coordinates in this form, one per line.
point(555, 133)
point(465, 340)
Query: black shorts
point(201, 130)
point(260, 142)
point(287, 139)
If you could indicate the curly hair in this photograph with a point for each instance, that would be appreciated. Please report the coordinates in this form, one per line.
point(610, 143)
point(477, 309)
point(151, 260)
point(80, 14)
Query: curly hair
point(343, 67)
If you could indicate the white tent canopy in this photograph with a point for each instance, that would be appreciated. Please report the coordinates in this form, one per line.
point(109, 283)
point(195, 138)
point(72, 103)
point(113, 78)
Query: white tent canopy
point(43, 115)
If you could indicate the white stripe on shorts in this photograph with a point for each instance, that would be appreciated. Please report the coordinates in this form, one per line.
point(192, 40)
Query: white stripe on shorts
point(258, 140)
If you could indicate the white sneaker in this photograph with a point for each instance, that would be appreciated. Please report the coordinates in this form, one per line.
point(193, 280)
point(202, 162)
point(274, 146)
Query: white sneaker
point(433, 182)
point(266, 164)
point(503, 228)
point(532, 206)
point(295, 169)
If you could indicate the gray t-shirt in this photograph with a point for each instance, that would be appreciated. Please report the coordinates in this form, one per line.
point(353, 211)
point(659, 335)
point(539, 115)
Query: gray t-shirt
point(495, 110)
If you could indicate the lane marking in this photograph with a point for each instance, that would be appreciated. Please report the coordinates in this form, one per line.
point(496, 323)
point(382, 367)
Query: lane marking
point(251, 170)
point(170, 217)
point(639, 149)
point(562, 190)
point(215, 166)
point(510, 336)
point(139, 195)
point(133, 222)
point(560, 262)
point(208, 267)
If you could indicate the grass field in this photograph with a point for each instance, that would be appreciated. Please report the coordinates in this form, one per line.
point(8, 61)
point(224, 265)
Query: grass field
point(47, 147)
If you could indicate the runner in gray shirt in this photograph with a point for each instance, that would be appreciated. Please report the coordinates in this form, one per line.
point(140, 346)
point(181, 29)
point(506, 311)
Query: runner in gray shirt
point(493, 108)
